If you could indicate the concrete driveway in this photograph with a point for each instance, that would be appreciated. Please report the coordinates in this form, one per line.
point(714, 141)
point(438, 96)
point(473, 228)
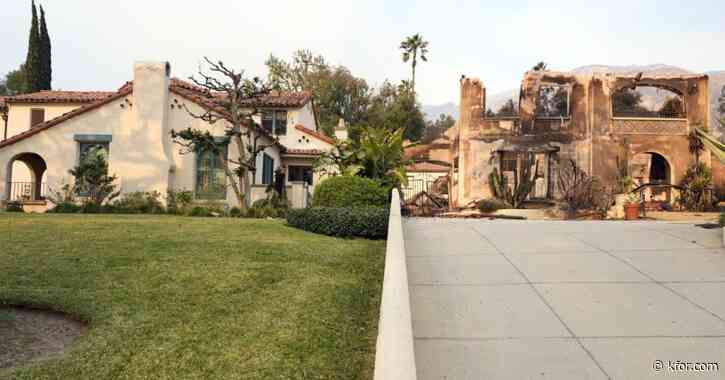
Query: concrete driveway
point(565, 300)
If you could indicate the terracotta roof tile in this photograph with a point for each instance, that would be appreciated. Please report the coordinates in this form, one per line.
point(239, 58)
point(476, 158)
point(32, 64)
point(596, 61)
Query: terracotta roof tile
point(424, 166)
point(95, 99)
point(303, 152)
point(60, 97)
point(273, 99)
point(316, 134)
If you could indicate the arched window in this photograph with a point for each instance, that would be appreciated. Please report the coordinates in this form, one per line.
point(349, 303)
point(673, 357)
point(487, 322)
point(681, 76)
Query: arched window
point(647, 101)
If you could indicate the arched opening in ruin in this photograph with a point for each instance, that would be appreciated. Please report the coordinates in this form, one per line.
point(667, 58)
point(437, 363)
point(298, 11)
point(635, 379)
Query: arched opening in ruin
point(25, 180)
point(652, 168)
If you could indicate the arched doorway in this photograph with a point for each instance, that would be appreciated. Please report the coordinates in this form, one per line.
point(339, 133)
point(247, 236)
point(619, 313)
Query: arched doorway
point(652, 168)
point(25, 178)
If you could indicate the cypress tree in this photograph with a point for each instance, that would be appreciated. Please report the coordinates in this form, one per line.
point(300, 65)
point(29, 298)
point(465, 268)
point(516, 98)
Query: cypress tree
point(33, 63)
point(46, 62)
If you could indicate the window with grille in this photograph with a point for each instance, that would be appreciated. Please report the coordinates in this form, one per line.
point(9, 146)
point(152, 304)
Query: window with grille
point(508, 162)
point(275, 122)
point(89, 151)
point(267, 169)
point(300, 174)
point(211, 180)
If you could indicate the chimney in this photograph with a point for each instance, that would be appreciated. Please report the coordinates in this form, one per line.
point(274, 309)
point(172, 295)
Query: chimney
point(151, 94)
point(341, 130)
point(472, 102)
point(151, 108)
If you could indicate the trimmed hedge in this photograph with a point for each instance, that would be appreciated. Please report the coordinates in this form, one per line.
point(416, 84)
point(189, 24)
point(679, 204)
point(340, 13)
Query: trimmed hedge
point(349, 191)
point(365, 222)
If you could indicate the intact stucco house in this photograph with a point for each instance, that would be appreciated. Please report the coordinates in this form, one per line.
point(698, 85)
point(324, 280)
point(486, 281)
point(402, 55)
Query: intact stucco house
point(44, 134)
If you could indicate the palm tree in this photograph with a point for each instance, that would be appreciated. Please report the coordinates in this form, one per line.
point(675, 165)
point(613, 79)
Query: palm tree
point(541, 66)
point(413, 47)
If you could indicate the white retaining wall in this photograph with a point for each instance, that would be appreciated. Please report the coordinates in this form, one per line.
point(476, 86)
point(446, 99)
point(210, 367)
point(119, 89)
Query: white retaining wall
point(394, 356)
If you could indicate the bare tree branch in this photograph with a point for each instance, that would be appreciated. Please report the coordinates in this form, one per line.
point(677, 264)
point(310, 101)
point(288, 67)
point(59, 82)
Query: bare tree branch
point(227, 96)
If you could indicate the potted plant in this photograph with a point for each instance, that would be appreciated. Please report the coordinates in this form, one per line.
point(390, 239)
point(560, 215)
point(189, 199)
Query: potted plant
point(631, 207)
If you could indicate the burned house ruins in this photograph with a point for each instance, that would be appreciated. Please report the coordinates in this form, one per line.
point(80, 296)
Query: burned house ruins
point(600, 121)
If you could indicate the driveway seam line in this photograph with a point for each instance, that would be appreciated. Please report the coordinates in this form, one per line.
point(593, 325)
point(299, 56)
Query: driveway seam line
point(494, 338)
point(541, 297)
point(655, 281)
point(664, 232)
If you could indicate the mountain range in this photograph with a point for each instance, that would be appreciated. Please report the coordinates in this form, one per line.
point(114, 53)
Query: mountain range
point(495, 101)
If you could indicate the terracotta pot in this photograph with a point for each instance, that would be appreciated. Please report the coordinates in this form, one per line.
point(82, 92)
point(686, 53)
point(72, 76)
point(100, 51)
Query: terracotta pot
point(631, 211)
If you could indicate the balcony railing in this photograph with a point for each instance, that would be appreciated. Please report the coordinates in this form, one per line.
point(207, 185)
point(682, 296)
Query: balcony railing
point(28, 191)
point(649, 126)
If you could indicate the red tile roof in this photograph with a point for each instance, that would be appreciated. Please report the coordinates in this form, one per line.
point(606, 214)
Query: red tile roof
point(316, 134)
point(424, 166)
point(60, 97)
point(303, 152)
point(96, 99)
point(273, 99)
point(55, 121)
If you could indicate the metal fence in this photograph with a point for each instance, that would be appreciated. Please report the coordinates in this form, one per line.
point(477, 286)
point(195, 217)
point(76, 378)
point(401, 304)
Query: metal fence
point(415, 187)
point(28, 191)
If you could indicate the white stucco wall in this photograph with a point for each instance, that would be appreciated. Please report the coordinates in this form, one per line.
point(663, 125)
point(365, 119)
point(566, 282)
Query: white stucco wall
point(19, 115)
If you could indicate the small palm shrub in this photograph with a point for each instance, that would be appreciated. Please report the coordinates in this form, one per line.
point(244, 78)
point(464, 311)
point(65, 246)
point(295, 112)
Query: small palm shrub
point(696, 182)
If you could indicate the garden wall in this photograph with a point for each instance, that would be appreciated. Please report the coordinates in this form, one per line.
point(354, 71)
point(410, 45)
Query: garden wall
point(394, 356)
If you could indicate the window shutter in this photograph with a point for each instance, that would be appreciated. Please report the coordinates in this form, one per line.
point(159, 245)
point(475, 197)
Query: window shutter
point(267, 169)
point(37, 116)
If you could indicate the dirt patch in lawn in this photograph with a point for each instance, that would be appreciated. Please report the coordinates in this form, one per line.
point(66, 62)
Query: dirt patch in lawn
point(30, 334)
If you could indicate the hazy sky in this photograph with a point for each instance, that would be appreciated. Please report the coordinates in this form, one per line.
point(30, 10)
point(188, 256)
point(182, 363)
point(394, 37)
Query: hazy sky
point(96, 42)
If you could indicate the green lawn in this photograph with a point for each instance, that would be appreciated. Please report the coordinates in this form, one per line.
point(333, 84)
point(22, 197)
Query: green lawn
point(180, 297)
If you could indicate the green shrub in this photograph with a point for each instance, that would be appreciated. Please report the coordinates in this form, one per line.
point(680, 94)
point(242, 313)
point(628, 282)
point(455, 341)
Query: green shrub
point(235, 212)
point(274, 206)
point(349, 191)
point(138, 202)
point(65, 208)
point(264, 212)
point(200, 211)
point(179, 201)
point(722, 219)
point(207, 209)
point(14, 207)
point(696, 183)
point(365, 222)
point(94, 208)
point(488, 206)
